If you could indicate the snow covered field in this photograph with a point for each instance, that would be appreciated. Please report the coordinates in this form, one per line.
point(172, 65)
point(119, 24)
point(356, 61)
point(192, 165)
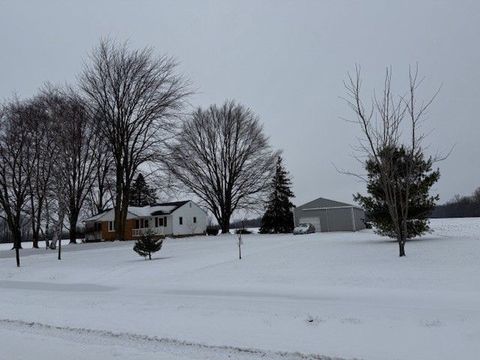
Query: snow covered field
point(344, 295)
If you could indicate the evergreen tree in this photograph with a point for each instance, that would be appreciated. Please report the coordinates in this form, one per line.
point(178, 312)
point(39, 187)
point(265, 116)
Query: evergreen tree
point(421, 177)
point(278, 217)
point(141, 193)
point(148, 244)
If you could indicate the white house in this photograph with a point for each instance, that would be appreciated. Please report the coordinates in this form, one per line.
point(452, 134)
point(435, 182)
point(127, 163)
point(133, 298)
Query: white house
point(177, 218)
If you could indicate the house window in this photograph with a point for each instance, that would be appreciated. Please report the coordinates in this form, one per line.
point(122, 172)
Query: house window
point(194, 219)
point(160, 221)
point(111, 226)
point(137, 224)
point(165, 221)
point(156, 222)
point(180, 220)
point(145, 224)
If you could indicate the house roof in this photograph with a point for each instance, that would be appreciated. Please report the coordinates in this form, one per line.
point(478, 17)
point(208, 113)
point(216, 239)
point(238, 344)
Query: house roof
point(140, 211)
point(167, 207)
point(96, 217)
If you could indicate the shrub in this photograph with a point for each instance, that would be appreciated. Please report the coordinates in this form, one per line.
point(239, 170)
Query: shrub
point(212, 230)
point(148, 244)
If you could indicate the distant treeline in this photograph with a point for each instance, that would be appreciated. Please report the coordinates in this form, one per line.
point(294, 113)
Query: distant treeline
point(459, 206)
point(248, 223)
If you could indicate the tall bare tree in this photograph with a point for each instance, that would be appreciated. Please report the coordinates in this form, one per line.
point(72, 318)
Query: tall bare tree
point(42, 163)
point(76, 138)
point(16, 156)
point(223, 156)
point(391, 122)
point(137, 97)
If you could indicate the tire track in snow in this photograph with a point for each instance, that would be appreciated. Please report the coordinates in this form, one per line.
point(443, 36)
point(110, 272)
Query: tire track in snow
point(190, 350)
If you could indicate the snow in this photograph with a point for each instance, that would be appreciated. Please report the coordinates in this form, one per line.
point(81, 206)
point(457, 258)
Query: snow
point(344, 295)
point(147, 211)
point(28, 245)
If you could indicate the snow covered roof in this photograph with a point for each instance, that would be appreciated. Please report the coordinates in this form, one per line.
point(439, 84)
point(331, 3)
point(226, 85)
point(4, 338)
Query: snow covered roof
point(140, 211)
point(323, 203)
point(99, 216)
point(166, 208)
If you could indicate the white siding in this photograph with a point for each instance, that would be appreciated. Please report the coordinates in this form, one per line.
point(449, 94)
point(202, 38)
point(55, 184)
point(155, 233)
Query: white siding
point(188, 212)
point(166, 230)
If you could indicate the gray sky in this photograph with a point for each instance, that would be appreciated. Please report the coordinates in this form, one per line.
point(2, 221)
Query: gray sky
point(284, 59)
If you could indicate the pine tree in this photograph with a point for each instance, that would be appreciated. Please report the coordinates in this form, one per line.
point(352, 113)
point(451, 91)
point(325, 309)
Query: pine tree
point(148, 244)
point(420, 178)
point(141, 193)
point(278, 217)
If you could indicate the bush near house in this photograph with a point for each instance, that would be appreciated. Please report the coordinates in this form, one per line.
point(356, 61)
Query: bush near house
point(212, 230)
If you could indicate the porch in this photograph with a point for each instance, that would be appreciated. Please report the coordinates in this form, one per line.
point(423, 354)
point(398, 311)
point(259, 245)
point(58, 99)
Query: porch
point(151, 230)
point(156, 225)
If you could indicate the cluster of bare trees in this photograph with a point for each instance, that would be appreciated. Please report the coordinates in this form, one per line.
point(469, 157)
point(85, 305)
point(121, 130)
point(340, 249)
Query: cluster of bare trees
point(46, 163)
point(78, 149)
point(136, 99)
point(220, 154)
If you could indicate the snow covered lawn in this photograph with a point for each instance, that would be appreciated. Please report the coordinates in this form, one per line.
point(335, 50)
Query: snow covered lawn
point(343, 295)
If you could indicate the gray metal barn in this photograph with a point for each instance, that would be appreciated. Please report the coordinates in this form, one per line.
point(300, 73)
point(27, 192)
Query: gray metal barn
point(329, 215)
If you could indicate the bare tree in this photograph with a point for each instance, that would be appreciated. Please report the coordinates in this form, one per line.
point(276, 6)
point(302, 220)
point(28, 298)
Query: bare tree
point(16, 156)
point(223, 156)
point(101, 194)
point(44, 157)
point(390, 122)
point(137, 97)
point(76, 161)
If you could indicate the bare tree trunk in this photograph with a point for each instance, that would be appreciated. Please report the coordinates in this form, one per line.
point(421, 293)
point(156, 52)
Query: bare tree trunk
point(33, 222)
point(225, 224)
point(35, 239)
point(240, 246)
point(36, 227)
point(73, 219)
point(120, 210)
point(17, 244)
point(401, 247)
point(57, 230)
point(60, 248)
point(47, 225)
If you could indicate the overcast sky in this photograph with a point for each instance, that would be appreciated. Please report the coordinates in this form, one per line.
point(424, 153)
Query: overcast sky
point(286, 60)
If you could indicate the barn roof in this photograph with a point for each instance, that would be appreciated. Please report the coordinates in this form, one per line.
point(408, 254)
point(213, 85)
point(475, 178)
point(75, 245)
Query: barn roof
point(323, 203)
